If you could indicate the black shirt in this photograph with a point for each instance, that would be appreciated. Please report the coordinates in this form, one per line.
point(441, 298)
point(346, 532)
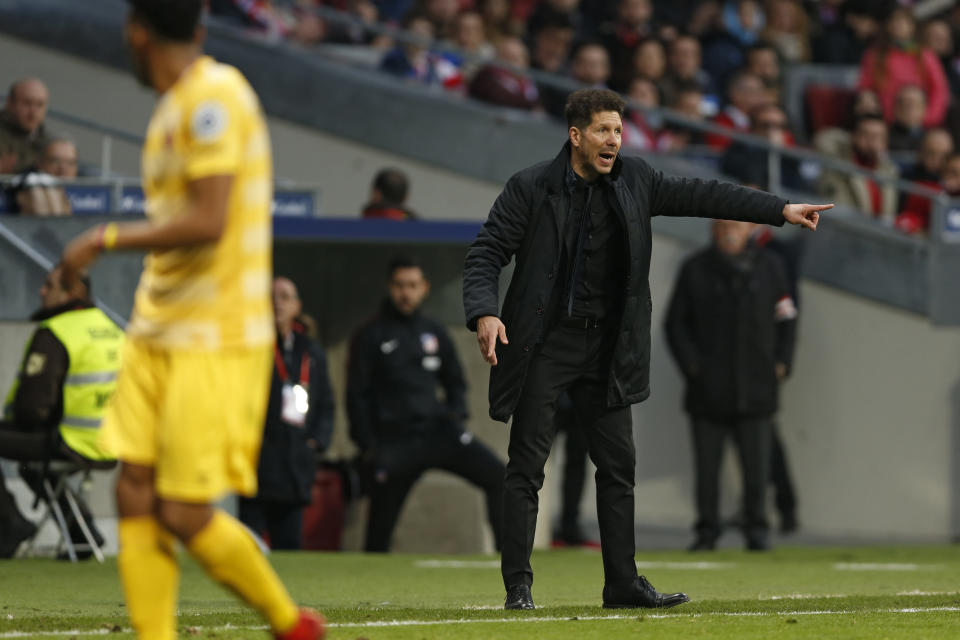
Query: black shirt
point(596, 264)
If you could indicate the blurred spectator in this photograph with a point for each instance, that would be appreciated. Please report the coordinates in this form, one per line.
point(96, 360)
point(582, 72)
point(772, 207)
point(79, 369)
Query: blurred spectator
point(442, 14)
point(590, 66)
point(683, 68)
point(507, 86)
point(740, 24)
point(402, 426)
point(259, 15)
point(393, 10)
point(388, 196)
point(309, 28)
point(550, 11)
point(299, 425)
point(469, 36)
point(847, 27)
point(897, 60)
point(497, 19)
point(763, 61)
point(552, 44)
point(643, 130)
point(788, 30)
point(415, 61)
point(22, 127)
point(750, 165)
point(38, 191)
point(649, 61)
point(744, 94)
point(687, 101)
point(938, 37)
point(908, 112)
point(732, 376)
point(867, 148)
point(623, 34)
point(936, 148)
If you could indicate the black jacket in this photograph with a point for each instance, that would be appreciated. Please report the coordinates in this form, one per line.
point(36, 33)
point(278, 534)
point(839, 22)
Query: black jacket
point(287, 463)
point(527, 221)
point(727, 332)
point(398, 364)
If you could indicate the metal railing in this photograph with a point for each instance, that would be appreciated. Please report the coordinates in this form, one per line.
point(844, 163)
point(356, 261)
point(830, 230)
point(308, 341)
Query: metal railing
point(941, 203)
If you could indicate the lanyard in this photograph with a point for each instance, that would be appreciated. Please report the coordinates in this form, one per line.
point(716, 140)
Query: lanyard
point(282, 368)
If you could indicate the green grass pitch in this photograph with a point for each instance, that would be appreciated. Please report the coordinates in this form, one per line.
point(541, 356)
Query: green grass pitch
point(871, 593)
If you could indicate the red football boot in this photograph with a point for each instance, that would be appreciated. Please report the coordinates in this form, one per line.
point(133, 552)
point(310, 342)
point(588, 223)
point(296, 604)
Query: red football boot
point(310, 626)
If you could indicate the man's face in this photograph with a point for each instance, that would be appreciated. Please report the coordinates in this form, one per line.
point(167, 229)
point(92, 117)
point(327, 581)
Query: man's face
point(747, 94)
point(28, 104)
point(688, 103)
point(408, 287)
point(52, 292)
point(731, 236)
point(649, 60)
point(685, 57)
point(951, 176)
point(771, 123)
point(938, 37)
point(443, 11)
point(936, 148)
point(870, 140)
point(513, 52)
point(635, 12)
point(910, 107)
point(764, 63)
point(286, 302)
point(592, 65)
point(422, 28)
point(644, 92)
point(59, 159)
point(595, 148)
point(470, 34)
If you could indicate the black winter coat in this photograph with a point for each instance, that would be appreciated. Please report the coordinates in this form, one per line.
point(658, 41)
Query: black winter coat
point(725, 334)
point(527, 222)
point(287, 465)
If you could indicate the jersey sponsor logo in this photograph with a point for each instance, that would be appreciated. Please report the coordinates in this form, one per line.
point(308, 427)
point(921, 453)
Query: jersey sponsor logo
point(208, 121)
point(785, 309)
point(429, 343)
point(388, 347)
point(35, 364)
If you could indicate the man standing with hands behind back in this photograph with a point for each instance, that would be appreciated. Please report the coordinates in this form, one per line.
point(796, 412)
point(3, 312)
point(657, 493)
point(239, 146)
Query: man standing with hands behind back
point(578, 316)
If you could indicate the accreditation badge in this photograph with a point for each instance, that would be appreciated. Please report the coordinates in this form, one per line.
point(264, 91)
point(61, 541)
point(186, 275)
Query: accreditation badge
point(296, 403)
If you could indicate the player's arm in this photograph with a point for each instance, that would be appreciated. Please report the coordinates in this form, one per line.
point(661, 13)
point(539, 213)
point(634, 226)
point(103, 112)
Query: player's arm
point(202, 223)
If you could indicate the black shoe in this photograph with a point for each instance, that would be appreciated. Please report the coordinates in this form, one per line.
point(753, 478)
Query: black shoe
point(518, 597)
point(639, 594)
point(14, 533)
point(758, 543)
point(788, 524)
point(703, 544)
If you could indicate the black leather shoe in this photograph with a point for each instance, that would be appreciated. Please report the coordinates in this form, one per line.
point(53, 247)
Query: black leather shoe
point(519, 598)
point(703, 544)
point(640, 594)
point(758, 543)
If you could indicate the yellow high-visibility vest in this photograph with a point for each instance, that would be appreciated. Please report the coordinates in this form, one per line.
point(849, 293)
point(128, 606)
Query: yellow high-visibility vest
point(93, 343)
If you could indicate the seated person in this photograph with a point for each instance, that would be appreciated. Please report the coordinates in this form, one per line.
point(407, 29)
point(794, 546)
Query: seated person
point(415, 60)
point(56, 404)
point(504, 82)
point(388, 196)
point(37, 191)
point(907, 129)
point(402, 424)
point(936, 148)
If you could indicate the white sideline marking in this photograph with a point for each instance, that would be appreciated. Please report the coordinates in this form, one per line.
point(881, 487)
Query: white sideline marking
point(917, 592)
point(805, 596)
point(876, 566)
point(686, 565)
point(457, 564)
point(431, 623)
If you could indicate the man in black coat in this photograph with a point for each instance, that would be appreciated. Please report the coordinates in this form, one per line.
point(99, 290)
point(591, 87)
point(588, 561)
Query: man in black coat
point(299, 425)
point(731, 327)
point(399, 362)
point(578, 315)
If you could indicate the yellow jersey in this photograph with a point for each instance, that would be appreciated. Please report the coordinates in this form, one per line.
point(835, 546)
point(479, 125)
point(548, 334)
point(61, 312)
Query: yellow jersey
point(216, 295)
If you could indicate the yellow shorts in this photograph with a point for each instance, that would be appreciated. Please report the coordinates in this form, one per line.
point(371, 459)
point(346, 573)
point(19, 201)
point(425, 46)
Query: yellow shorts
point(196, 417)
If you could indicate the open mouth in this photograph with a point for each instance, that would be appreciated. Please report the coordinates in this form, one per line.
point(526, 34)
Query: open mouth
point(607, 157)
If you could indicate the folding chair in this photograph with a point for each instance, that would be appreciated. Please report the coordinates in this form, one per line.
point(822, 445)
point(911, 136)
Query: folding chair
point(53, 484)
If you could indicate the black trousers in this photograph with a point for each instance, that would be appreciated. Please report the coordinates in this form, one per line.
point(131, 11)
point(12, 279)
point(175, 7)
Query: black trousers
point(575, 452)
point(785, 496)
point(576, 361)
point(752, 439)
point(399, 464)
point(22, 446)
point(282, 521)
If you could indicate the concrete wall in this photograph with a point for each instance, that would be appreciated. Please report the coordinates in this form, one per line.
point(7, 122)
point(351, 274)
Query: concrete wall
point(342, 169)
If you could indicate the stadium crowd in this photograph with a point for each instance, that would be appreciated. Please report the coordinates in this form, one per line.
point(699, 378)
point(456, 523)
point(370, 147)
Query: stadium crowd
point(707, 60)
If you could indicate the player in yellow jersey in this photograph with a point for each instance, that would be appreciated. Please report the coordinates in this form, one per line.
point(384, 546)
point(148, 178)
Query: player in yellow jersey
point(188, 414)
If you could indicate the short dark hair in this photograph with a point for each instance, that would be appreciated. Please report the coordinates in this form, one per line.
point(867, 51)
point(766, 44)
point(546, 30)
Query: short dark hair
point(392, 185)
point(582, 104)
point(402, 262)
point(868, 117)
point(174, 20)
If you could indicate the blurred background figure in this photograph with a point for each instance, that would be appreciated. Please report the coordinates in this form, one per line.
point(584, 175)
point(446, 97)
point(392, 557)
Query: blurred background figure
point(907, 129)
point(415, 61)
point(745, 93)
point(576, 449)
point(399, 362)
point(732, 375)
point(644, 130)
point(684, 69)
point(590, 66)
point(867, 148)
point(22, 125)
point(750, 165)
point(937, 146)
point(38, 190)
point(505, 81)
point(299, 424)
point(388, 196)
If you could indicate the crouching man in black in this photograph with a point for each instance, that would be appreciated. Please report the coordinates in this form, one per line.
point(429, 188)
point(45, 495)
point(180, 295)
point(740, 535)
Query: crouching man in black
point(577, 318)
point(399, 362)
point(731, 326)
